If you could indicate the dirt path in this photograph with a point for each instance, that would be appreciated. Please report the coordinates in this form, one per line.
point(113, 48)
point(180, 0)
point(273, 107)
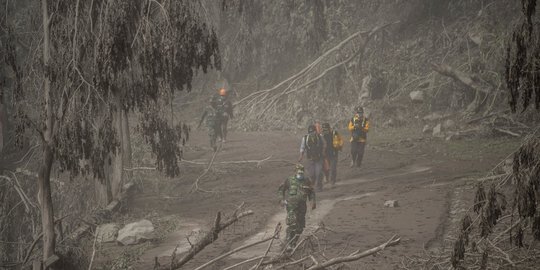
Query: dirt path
point(421, 177)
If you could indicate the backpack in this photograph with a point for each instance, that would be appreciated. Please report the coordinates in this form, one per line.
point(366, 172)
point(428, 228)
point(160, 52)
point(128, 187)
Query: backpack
point(211, 117)
point(313, 146)
point(222, 106)
point(337, 141)
point(359, 124)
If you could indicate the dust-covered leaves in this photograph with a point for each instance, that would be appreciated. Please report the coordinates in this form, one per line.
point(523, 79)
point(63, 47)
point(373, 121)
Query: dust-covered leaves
point(522, 67)
point(526, 172)
point(164, 140)
point(479, 198)
point(492, 210)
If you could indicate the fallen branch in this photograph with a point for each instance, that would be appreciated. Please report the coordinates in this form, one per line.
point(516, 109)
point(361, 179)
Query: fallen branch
point(24, 199)
point(270, 238)
point(95, 219)
point(276, 235)
point(93, 252)
point(269, 107)
point(208, 239)
point(314, 63)
point(506, 256)
point(491, 177)
point(258, 162)
point(486, 116)
point(507, 132)
point(140, 169)
point(355, 255)
point(292, 263)
point(468, 81)
point(244, 262)
point(195, 186)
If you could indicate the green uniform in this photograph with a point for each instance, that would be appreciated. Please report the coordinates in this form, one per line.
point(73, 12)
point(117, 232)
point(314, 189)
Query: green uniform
point(296, 192)
point(212, 123)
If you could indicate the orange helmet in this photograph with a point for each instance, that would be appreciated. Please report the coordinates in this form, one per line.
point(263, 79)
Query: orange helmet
point(222, 92)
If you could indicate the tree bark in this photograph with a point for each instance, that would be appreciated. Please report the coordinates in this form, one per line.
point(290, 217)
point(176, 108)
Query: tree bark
point(2, 117)
point(103, 191)
point(118, 160)
point(44, 182)
point(126, 144)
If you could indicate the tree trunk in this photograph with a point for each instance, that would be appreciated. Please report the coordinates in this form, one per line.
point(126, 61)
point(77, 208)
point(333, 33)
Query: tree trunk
point(118, 160)
point(47, 213)
point(2, 117)
point(126, 144)
point(44, 182)
point(103, 191)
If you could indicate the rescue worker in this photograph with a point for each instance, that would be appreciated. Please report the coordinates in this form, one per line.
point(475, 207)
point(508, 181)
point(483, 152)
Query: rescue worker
point(358, 126)
point(293, 195)
point(334, 144)
point(225, 112)
point(313, 147)
point(212, 122)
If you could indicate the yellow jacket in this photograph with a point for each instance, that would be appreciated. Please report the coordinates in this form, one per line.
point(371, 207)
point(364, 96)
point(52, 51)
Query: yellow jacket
point(359, 135)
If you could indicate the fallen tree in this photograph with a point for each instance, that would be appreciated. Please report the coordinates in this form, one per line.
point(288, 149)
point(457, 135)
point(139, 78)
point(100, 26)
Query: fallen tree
point(482, 90)
point(211, 236)
point(270, 107)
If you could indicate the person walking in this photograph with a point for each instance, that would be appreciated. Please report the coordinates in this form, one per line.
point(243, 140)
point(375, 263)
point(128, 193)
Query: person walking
point(334, 144)
point(212, 122)
point(313, 147)
point(358, 126)
point(293, 194)
point(225, 113)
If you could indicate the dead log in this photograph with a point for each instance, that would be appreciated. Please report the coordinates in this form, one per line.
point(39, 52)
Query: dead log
point(208, 239)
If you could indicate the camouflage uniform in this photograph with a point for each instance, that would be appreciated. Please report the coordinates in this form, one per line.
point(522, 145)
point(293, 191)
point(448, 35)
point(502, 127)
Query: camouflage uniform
point(225, 112)
point(295, 192)
point(212, 123)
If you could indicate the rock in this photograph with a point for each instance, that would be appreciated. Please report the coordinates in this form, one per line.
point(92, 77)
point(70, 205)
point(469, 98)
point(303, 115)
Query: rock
point(449, 124)
point(389, 123)
point(437, 131)
point(136, 232)
point(417, 96)
point(106, 233)
point(391, 203)
point(433, 117)
point(426, 129)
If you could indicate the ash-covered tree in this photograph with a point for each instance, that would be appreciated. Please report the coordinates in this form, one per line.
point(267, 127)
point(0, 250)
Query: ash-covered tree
point(522, 68)
point(523, 81)
point(101, 60)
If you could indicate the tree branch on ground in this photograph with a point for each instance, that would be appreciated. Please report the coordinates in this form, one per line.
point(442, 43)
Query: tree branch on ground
point(356, 255)
point(195, 187)
point(238, 249)
point(208, 239)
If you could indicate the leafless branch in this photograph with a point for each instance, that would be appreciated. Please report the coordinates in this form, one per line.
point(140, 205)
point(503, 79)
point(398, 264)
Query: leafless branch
point(209, 238)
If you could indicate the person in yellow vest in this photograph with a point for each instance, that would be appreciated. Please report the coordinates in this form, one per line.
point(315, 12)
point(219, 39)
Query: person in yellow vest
point(358, 126)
